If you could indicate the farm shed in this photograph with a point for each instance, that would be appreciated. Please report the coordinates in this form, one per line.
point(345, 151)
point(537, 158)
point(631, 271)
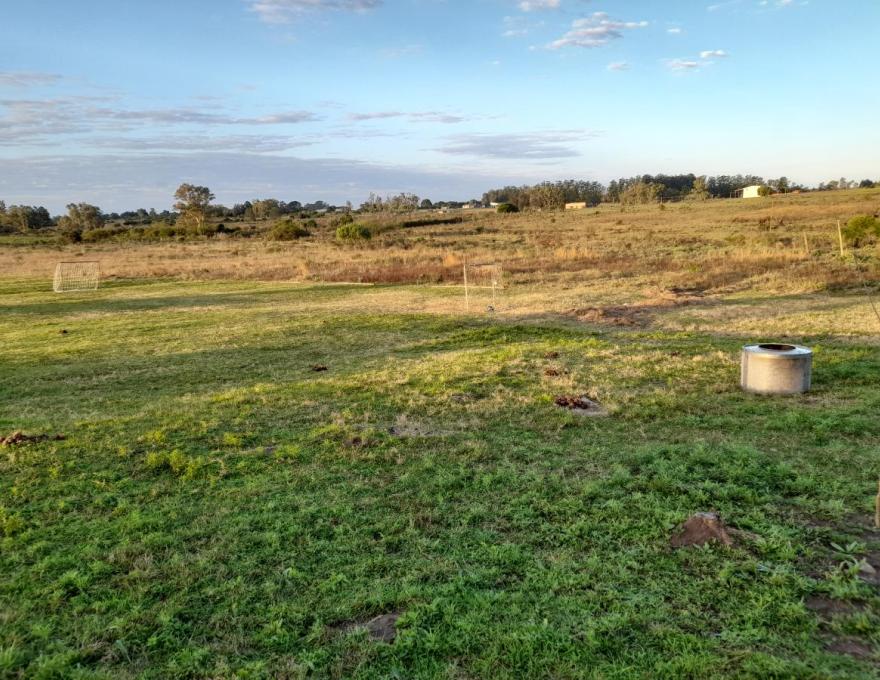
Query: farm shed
point(576, 206)
point(753, 191)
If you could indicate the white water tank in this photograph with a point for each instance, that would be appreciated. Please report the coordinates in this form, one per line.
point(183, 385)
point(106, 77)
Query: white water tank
point(775, 368)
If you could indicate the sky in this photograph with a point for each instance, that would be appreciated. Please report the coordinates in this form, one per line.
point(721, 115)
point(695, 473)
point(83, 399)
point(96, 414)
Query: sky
point(116, 103)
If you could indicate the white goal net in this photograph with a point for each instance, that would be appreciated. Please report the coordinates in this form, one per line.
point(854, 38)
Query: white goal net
point(73, 276)
point(483, 276)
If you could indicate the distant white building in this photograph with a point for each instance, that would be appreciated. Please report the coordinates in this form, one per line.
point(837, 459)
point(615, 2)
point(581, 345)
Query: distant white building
point(753, 191)
point(579, 205)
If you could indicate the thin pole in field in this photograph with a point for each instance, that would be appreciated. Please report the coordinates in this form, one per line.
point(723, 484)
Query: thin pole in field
point(467, 304)
point(840, 239)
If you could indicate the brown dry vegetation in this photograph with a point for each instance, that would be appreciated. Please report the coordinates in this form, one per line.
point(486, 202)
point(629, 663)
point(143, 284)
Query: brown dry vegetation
point(644, 257)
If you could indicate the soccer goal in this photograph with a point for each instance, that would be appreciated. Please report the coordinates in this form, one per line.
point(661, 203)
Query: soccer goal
point(480, 276)
point(73, 276)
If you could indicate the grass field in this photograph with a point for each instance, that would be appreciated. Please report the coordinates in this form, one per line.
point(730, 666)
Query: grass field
point(219, 509)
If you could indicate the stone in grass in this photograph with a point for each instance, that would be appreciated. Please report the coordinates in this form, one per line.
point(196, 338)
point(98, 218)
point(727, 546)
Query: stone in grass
point(700, 529)
point(382, 628)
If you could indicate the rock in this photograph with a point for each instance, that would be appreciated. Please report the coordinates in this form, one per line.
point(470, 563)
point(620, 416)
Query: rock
point(700, 529)
point(383, 628)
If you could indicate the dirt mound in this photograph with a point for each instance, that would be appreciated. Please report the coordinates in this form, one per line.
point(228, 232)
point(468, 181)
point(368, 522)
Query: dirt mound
point(700, 529)
point(621, 315)
point(579, 404)
point(21, 439)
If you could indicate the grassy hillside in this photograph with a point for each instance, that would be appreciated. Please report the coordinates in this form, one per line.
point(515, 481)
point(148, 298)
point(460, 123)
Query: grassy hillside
point(219, 508)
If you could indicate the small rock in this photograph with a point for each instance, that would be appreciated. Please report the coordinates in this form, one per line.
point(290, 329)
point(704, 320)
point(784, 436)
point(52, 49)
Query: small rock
point(318, 368)
point(700, 529)
point(383, 628)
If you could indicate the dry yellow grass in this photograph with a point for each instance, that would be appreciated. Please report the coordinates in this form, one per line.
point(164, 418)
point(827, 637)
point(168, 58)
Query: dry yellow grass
point(608, 265)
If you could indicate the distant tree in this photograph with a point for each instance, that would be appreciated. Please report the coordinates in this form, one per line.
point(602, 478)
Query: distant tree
point(27, 218)
point(81, 217)
point(193, 202)
point(373, 204)
point(402, 202)
point(2, 208)
point(641, 192)
point(764, 190)
point(700, 191)
point(265, 208)
point(864, 184)
point(426, 204)
point(507, 208)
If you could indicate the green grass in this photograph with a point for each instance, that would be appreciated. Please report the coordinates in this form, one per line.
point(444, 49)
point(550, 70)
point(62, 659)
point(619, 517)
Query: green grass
point(219, 510)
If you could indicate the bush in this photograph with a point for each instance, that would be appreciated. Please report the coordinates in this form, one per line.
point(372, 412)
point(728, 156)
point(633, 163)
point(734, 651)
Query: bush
point(344, 218)
point(508, 208)
point(287, 230)
point(860, 228)
point(353, 232)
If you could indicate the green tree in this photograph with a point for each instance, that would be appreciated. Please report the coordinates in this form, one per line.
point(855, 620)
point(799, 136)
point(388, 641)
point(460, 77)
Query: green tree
point(193, 202)
point(80, 217)
point(700, 190)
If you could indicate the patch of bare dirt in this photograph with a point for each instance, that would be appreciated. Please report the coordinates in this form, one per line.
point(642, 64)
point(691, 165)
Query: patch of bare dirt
point(579, 404)
point(22, 439)
point(551, 372)
point(551, 355)
point(319, 368)
point(382, 628)
point(643, 312)
point(851, 647)
point(701, 529)
point(405, 427)
point(827, 607)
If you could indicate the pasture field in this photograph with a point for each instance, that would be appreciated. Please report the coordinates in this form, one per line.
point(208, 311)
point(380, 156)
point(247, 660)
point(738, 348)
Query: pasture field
point(220, 506)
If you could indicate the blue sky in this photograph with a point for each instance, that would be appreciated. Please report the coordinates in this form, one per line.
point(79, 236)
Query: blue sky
point(116, 103)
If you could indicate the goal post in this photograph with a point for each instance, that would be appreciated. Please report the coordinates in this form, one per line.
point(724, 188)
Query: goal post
point(482, 275)
point(76, 276)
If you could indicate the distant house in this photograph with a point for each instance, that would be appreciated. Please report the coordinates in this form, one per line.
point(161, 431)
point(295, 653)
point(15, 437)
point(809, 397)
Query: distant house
point(753, 191)
point(576, 206)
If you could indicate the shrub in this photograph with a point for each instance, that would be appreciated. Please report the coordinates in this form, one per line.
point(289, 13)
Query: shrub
point(860, 228)
point(508, 208)
point(344, 218)
point(287, 230)
point(353, 232)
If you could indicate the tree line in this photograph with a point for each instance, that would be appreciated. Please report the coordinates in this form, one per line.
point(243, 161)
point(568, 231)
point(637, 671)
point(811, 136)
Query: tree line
point(194, 207)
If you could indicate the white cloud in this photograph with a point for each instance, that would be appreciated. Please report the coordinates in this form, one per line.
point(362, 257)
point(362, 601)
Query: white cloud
point(674, 31)
point(708, 54)
point(595, 31)
point(682, 65)
point(282, 11)
point(534, 5)
point(618, 66)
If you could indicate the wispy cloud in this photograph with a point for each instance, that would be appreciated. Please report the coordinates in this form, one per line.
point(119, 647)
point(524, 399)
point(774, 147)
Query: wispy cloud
point(675, 30)
point(415, 117)
point(683, 64)
point(595, 31)
point(709, 54)
point(618, 66)
point(531, 146)
point(536, 5)
point(37, 121)
point(283, 11)
point(27, 78)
